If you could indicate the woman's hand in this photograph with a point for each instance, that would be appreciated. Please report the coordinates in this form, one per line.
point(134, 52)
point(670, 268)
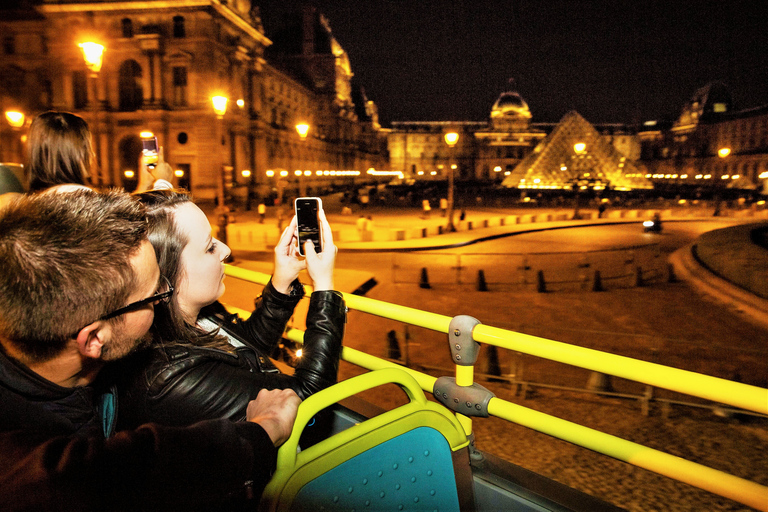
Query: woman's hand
point(148, 177)
point(320, 265)
point(288, 261)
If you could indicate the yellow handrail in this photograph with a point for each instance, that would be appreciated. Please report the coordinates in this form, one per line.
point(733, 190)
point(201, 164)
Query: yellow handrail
point(703, 477)
point(712, 388)
point(723, 391)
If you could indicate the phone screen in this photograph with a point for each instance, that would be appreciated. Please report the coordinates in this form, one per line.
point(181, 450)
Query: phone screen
point(309, 224)
point(149, 151)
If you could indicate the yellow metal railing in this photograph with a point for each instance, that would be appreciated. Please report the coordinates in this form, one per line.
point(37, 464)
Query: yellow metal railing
point(723, 391)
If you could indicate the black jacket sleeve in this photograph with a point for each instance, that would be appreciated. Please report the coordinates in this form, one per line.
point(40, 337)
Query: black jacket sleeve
point(210, 465)
point(270, 315)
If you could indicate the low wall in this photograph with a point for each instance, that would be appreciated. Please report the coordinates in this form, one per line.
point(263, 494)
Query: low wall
point(732, 254)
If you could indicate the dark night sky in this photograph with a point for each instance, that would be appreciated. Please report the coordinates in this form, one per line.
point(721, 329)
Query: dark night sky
point(611, 60)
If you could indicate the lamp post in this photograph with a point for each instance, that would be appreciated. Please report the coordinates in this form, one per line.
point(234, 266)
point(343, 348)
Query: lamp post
point(303, 130)
point(220, 108)
point(451, 138)
point(92, 54)
point(580, 150)
point(246, 173)
point(722, 153)
point(16, 120)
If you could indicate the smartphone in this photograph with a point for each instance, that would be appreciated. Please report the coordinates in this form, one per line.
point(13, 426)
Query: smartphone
point(149, 151)
point(308, 220)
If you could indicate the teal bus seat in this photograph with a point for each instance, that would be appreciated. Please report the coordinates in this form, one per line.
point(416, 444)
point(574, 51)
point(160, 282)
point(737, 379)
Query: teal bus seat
point(414, 457)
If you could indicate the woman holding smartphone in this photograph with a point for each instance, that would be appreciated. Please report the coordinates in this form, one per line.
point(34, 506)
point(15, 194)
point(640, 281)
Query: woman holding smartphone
point(205, 363)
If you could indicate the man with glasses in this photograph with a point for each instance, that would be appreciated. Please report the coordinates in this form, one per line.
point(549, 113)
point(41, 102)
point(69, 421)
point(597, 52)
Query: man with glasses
point(78, 286)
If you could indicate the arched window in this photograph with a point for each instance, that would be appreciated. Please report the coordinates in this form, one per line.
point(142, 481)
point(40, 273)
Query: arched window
point(131, 92)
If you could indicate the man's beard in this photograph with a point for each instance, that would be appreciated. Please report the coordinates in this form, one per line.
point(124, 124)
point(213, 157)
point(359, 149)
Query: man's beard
point(120, 347)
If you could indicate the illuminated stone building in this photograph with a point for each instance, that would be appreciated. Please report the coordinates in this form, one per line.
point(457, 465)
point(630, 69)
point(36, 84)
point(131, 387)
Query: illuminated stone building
point(710, 145)
point(484, 150)
point(162, 64)
point(494, 151)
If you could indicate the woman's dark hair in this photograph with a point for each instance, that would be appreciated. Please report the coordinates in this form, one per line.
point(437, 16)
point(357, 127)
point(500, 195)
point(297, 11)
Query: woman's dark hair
point(169, 242)
point(59, 150)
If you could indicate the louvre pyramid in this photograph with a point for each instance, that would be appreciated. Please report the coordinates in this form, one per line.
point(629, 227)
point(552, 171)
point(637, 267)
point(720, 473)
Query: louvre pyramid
point(554, 163)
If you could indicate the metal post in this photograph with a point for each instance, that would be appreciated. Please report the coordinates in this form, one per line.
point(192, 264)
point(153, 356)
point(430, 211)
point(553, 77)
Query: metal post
point(450, 228)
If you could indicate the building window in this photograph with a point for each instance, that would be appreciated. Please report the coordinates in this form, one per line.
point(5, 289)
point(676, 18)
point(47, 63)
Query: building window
point(79, 90)
point(46, 97)
point(9, 45)
point(178, 27)
point(130, 91)
point(180, 86)
point(127, 25)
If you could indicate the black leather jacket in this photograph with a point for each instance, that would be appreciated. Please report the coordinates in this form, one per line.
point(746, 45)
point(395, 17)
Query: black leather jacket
point(176, 384)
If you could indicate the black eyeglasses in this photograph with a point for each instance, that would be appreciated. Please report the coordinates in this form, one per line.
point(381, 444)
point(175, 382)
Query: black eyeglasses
point(163, 295)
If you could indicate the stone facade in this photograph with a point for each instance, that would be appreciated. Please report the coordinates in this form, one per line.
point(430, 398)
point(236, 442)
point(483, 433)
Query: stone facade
point(688, 152)
point(163, 62)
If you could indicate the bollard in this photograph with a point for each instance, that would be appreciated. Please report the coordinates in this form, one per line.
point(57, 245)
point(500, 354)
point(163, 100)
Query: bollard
point(493, 367)
point(482, 286)
point(424, 282)
point(671, 277)
point(393, 347)
point(645, 401)
point(639, 276)
point(599, 382)
point(597, 283)
point(542, 285)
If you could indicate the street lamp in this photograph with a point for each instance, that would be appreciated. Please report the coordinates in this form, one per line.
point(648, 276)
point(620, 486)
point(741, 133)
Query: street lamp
point(246, 173)
point(92, 54)
point(15, 146)
point(303, 130)
point(451, 138)
point(220, 108)
point(580, 149)
point(14, 118)
point(722, 153)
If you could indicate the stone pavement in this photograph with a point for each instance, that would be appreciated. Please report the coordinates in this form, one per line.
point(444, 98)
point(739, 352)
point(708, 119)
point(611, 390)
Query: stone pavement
point(407, 229)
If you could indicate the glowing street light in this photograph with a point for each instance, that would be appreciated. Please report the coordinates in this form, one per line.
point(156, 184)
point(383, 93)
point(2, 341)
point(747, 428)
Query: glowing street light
point(579, 148)
point(219, 105)
point(303, 130)
point(451, 138)
point(723, 152)
point(14, 118)
point(92, 53)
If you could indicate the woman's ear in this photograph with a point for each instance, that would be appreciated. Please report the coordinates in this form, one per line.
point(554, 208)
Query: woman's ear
point(92, 337)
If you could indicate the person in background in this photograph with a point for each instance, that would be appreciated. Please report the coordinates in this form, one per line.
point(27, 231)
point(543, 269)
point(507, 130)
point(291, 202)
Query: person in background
point(78, 289)
point(262, 209)
point(206, 363)
point(60, 151)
